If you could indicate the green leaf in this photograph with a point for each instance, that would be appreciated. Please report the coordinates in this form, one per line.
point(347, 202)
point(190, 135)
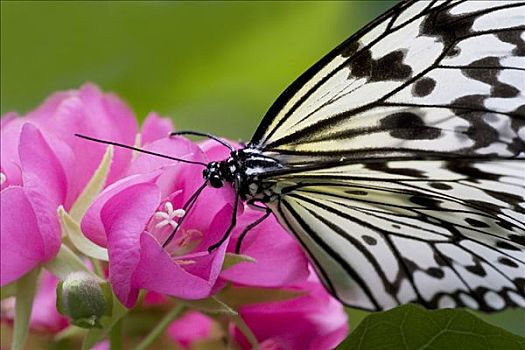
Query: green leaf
point(412, 327)
point(210, 305)
point(71, 228)
point(93, 188)
point(236, 297)
point(25, 293)
point(233, 259)
point(65, 263)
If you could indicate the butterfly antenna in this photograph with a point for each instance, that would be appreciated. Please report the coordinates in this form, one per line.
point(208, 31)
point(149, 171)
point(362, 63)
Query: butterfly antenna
point(138, 149)
point(203, 134)
point(186, 207)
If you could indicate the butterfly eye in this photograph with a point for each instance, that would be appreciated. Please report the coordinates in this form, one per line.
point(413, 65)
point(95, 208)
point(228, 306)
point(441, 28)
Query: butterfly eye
point(215, 181)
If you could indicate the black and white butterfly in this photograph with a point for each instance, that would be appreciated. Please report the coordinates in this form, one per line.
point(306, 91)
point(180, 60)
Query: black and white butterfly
point(398, 160)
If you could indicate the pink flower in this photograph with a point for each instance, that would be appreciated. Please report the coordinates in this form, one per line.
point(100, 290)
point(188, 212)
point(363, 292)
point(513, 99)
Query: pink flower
point(134, 217)
point(191, 327)
point(315, 321)
point(85, 111)
point(30, 231)
point(44, 165)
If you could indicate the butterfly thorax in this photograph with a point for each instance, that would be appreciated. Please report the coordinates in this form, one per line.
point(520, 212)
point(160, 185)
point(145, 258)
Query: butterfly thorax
point(243, 169)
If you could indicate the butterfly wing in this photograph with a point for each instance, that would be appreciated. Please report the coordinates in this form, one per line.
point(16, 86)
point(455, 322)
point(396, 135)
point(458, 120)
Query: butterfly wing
point(437, 79)
point(439, 233)
point(393, 149)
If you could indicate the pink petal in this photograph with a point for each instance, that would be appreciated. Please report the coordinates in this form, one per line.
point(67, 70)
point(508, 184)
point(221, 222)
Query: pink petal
point(175, 175)
point(178, 147)
point(9, 159)
point(208, 266)
point(114, 121)
point(92, 225)
point(205, 216)
point(45, 184)
point(44, 113)
point(315, 321)
point(44, 315)
point(155, 128)
point(90, 112)
point(42, 171)
point(8, 118)
point(279, 258)
point(125, 216)
point(192, 326)
point(158, 272)
point(22, 248)
point(215, 151)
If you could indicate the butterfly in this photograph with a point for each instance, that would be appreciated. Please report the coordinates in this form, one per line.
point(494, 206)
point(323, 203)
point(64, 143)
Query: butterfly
point(397, 160)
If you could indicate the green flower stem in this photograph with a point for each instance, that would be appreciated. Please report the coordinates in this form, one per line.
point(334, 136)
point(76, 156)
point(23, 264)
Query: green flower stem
point(246, 331)
point(115, 336)
point(9, 290)
point(25, 293)
point(160, 328)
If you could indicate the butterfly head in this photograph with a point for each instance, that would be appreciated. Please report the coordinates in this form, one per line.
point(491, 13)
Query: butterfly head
point(213, 175)
point(216, 173)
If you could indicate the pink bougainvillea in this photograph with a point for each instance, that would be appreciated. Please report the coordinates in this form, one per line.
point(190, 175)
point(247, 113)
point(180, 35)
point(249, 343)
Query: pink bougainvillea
point(144, 198)
point(44, 165)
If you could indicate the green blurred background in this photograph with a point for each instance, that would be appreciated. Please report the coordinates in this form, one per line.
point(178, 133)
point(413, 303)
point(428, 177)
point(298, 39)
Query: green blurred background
point(211, 66)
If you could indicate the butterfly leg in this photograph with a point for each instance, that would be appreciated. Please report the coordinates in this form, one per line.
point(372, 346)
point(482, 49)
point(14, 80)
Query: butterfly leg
point(252, 225)
point(233, 221)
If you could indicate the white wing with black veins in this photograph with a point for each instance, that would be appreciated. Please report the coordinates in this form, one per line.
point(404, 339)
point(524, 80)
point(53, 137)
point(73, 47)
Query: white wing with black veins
point(428, 78)
point(413, 231)
point(403, 158)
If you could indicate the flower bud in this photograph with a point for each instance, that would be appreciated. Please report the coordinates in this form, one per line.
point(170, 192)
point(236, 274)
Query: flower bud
point(84, 299)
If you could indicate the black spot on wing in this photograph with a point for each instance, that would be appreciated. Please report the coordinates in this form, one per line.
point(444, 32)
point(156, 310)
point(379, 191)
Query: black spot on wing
point(471, 108)
point(513, 200)
point(504, 90)
point(476, 223)
point(507, 262)
point(409, 126)
point(351, 49)
point(517, 239)
point(489, 75)
point(389, 67)
point(425, 201)
point(507, 246)
point(447, 27)
point(435, 272)
point(384, 168)
point(514, 38)
point(440, 186)
point(468, 168)
point(369, 240)
point(481, 133)
point(356, 192)
point(423, 87)
point(476, 269)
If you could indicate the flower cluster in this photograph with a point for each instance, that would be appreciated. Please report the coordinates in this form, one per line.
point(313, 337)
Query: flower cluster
point(109, 212)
